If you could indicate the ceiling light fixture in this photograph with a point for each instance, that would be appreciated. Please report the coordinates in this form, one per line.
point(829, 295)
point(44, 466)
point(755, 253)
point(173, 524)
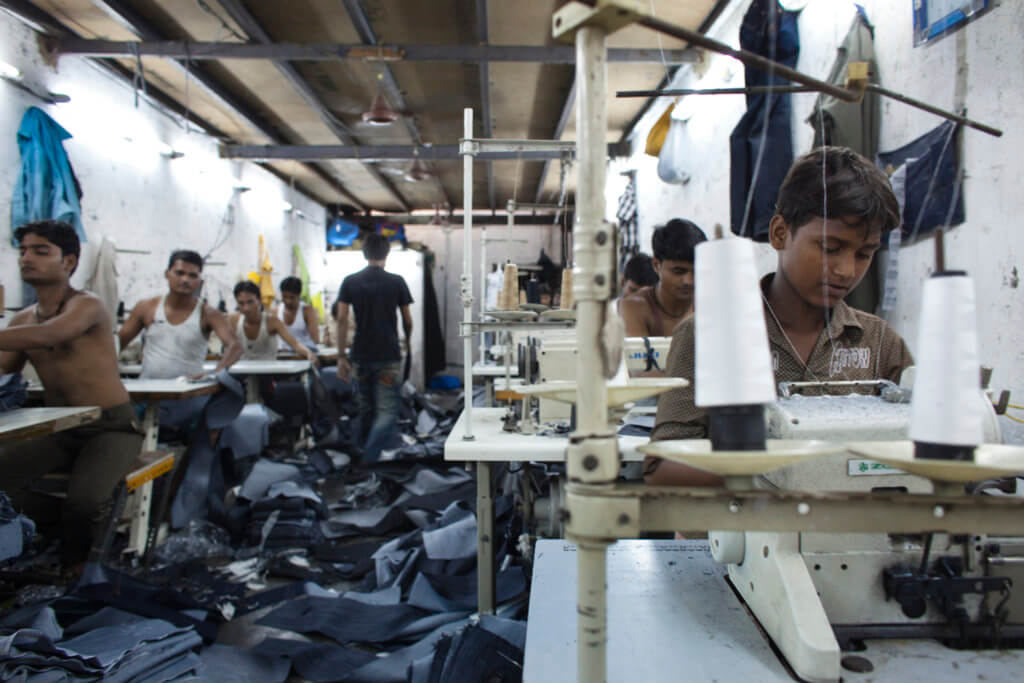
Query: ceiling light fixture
point(419, 171)
point(380, 112)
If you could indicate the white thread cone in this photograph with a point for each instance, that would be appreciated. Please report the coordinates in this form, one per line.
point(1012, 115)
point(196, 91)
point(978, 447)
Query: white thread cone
point(945, 406)
point(733, 364)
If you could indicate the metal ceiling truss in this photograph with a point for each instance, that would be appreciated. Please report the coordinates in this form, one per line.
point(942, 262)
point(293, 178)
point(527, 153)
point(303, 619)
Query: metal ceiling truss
point(483, 150)
point(241, 16)
point(368, 51)
point(485, 95)
point(140, 26)
point(388, 83)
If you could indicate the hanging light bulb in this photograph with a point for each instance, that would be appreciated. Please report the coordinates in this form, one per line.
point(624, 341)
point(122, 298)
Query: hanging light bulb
point(380, 112)
point(418, 171)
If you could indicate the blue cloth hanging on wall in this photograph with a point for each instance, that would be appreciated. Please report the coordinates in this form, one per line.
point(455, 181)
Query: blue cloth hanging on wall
point(46, 188)
point(770, 31)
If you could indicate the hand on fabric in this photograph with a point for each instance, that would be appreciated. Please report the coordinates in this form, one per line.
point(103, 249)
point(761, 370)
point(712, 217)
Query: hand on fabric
point(313, 358)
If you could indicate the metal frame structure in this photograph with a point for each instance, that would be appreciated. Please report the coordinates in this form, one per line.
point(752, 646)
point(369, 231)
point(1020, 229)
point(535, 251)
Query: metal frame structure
point(599, 511)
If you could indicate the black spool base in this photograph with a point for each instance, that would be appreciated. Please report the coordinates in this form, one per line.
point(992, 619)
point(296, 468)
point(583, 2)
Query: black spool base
point(939, 451)
point(737, 428)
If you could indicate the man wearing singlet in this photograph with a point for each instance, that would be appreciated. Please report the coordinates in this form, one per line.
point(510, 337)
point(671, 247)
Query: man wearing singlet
point(300, 319)
point(259, 331)
point(178, 325)
point(656, 310)
point(66, 336)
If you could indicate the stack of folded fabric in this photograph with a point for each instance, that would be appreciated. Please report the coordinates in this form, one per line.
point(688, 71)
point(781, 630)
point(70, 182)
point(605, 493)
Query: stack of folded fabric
point(109, 645)
point(16, 530)
point(288, 516)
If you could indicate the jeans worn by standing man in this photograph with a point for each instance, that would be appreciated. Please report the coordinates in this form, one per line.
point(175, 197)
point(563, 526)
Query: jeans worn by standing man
point(375, 296)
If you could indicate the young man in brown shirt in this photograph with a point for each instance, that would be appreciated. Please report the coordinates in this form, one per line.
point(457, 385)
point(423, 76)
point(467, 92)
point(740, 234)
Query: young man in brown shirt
point(812, 332)
point(66, 336)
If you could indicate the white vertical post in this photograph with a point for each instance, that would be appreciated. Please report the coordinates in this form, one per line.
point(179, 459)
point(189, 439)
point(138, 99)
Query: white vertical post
point(467, 269)
point(483, 287)
point(593, 453)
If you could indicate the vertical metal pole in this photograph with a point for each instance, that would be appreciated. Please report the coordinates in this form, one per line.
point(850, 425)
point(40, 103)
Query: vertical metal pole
point(467, 270)
point(593, 455)
point(484, 538)
point(483, 287)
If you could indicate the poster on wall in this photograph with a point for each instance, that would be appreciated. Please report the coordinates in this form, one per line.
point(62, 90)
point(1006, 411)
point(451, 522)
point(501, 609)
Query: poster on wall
point(935, 18)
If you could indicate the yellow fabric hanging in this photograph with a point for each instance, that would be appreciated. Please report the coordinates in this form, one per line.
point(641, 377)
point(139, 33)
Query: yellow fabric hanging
point(266, 270)
point(318, 305)
point(659, 131)
point(300, 265)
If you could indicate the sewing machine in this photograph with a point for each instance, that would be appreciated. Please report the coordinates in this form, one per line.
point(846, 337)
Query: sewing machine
point(817, 595)
point(556, 360)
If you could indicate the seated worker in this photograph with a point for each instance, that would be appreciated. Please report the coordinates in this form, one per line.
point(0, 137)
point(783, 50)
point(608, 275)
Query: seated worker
point(178, 325)
point(300, 319)
point(654, 311)
point(66, 336)
point(258, 331)
point(637, 274)
point(813, 334)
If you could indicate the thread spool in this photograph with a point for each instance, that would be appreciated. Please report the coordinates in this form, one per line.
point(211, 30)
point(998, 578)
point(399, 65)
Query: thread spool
point(946, 413)
point(510, 288)
point(567, 300)
point(734, 376)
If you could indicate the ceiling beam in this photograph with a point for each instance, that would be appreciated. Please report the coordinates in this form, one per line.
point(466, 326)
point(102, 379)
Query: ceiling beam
point(388, 82)
point(369, 153)
point(563, 119)
point(320, 52)
point(485, 95)
point(241, 16)
point(140, 26)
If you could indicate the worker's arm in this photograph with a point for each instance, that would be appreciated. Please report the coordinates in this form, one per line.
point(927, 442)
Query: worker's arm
point(407, 327)
point(13, 361)
point(275, 326)
point(634, 314)
point(312, 323)
point(344, 368)
point(232, 348)
point(658, 472)
point(79, 315)
point(135, 323)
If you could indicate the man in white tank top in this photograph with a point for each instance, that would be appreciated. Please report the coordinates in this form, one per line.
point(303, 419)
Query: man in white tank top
point(178, 325)
point(300, 319)
point(259, 331)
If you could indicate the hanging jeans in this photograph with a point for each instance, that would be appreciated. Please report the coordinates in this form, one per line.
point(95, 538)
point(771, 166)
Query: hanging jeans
point(380, 398)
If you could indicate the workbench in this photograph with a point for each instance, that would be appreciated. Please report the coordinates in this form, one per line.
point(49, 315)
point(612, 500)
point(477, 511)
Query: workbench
point(32, 423)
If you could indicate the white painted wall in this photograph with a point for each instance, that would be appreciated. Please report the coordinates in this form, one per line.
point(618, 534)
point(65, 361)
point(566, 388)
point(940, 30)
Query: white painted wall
point(535, 238)
point(989, 244)
point(142, 200)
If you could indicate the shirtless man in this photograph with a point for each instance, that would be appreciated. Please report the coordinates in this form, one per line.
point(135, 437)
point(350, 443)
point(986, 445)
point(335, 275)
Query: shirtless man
point(178, 325)
point(66, 336)
point(656, 310)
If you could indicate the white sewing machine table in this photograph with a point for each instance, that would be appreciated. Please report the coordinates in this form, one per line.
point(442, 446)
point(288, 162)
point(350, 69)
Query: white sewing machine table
point(673, 617)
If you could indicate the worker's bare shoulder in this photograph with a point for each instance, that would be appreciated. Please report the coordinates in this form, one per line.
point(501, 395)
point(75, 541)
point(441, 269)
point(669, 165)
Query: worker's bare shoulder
point(635, 303)
point(25, 316)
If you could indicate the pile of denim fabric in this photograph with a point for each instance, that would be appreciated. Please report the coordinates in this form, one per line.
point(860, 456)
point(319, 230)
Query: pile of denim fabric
point(16, 530)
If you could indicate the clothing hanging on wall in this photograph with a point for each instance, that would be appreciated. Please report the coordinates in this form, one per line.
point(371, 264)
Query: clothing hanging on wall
point(627, 216)
point(103, 281)
point(434, 358)
point(764, 130)
point(303, 273)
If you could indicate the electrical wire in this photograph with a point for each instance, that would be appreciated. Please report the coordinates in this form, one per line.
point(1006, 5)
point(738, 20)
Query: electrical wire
point(1015, 419)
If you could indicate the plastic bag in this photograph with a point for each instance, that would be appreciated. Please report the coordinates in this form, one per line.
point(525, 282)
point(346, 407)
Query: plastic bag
point(656, 138)
point(671, 161)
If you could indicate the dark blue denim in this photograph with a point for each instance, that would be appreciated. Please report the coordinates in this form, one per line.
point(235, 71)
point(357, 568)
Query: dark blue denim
point(380, 400)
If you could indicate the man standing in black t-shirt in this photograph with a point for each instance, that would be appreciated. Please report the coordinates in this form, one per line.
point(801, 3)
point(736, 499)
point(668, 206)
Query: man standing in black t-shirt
point(375, 295)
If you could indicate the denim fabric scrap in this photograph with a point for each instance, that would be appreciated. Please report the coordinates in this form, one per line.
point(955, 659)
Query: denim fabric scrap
point(229, 664)
point(317, 662)
point(263, 475)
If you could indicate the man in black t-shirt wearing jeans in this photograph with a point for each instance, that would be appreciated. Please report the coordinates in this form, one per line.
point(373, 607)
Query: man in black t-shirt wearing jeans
point(375, 295)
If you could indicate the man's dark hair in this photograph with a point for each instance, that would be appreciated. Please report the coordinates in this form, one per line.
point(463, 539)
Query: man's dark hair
point(57, 232)
point(376, 247)
point(291, 284)
point(186, 255)
point(247, 286)
point(640, 270)
point(675, 240)
point(850, 187)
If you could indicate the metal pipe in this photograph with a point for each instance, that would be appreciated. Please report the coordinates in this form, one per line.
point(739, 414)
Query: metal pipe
point(963, 120)
point(467, 272)
point(751, 59)
point(590, 291)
